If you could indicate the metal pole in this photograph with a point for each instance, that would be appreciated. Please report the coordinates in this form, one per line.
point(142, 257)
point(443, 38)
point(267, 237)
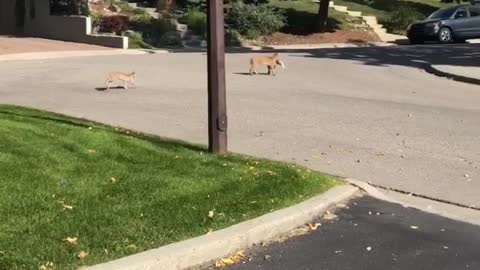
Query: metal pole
point(217, 104)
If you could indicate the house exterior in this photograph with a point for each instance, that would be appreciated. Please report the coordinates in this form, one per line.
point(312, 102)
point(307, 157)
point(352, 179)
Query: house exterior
point(33, 18)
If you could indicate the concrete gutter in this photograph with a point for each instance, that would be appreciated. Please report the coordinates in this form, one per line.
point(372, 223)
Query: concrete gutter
point(450, 74)
point(68, 54)
point(204, 249)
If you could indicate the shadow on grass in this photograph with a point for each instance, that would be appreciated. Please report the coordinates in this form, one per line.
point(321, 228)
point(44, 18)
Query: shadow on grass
point(28, 113)
point(393, 5)
point(302, 22)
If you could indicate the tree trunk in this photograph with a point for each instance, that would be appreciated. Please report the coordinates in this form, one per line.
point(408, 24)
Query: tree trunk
point(322, 16)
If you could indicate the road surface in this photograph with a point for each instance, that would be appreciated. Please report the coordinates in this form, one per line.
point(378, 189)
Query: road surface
point(373, 235)
point(367, 113)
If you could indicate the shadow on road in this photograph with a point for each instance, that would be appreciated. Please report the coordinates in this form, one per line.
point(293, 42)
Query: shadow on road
point(466, 55)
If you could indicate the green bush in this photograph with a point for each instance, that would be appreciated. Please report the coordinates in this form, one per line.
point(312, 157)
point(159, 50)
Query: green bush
point(135, 41)
point(232, 38)
point(196, 21)
point(400, 19)
point(253, 21)
point(164, 25)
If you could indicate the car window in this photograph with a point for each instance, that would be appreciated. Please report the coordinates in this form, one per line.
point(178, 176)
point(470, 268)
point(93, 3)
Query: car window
point(461, 13)
point(474, 11)
point(443, 13)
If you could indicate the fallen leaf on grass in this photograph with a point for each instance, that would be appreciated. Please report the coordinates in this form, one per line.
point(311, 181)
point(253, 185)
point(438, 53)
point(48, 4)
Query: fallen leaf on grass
point(82, 255)
point(47, 266)
point(113, 180)
point(71, 241)
point(210, 231)
point(92, 151)
point(211, 213)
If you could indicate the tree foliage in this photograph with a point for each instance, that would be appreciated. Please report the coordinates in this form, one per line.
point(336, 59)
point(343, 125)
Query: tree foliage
point(69, 7)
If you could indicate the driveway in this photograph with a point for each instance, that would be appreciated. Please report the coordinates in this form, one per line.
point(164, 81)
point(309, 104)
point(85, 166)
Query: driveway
point(367, 113)
point(10, 45)
point(374, 235)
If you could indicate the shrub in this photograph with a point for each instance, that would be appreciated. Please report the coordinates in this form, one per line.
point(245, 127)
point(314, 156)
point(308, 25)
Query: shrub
point(400, 19)
point(196, 21)
point(114, 24)
point(232, 38)
point(254, 21)
point(135, 41)
point(164, 25)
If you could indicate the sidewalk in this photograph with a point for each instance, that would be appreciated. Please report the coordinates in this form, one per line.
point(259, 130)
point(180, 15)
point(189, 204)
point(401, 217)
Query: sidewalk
point(371, 234)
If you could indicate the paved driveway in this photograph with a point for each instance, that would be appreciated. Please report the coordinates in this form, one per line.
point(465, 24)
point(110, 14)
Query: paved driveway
point(9, 45)
point(367, 113)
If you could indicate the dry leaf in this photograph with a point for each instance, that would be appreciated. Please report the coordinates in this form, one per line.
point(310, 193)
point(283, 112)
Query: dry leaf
point(47, 266)
point(113, 180)
point(230, 260)
point(92, 151)
point(71, 241)
point(313, 227)
point(67, 207)
point(211, 214)
point(210, 231)
point(82, 255)
point(329, 216)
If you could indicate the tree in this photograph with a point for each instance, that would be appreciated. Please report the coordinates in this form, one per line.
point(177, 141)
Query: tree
point(322, 16)
point(69, 7)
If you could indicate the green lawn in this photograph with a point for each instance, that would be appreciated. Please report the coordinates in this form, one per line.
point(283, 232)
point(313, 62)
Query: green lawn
point(301, 15)
point(121, 193)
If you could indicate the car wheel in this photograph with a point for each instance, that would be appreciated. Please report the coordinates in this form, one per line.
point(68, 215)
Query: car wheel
point(445, 35)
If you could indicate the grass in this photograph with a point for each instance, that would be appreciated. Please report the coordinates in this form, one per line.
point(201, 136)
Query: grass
point(301, 15)
point(129, 192)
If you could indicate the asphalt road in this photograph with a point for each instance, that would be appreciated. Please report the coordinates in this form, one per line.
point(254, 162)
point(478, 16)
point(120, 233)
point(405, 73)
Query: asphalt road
point(367, 113)
point(372, 235)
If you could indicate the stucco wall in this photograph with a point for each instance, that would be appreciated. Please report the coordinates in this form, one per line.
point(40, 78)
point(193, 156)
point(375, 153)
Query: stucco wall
point(68, 28)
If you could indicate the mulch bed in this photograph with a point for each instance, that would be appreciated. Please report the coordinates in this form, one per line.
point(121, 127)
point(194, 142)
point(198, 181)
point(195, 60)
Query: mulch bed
point(339, 36)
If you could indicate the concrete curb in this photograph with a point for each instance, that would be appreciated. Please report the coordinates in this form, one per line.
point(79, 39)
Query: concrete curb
point(204, 249)
point(459, 78)
point(69, 54)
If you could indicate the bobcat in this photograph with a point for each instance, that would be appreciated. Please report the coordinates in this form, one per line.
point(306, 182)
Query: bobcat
point(270, 61)
point(120, 76)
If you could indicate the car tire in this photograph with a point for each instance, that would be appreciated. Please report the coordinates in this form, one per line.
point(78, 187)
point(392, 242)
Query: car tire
point(445, 35)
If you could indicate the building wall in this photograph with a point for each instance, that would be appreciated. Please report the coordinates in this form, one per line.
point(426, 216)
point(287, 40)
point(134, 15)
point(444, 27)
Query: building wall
point(7, 19)
point(41, 24)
